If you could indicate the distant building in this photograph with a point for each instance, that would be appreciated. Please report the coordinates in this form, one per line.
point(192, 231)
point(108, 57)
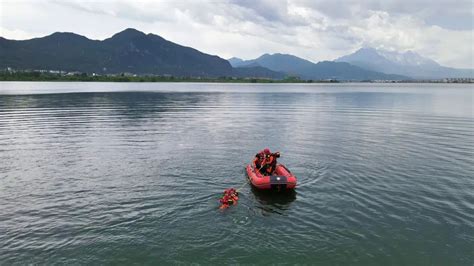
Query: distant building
point(73, 73)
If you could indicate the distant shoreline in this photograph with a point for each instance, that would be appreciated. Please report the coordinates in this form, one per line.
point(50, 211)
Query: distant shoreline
point(48, 77)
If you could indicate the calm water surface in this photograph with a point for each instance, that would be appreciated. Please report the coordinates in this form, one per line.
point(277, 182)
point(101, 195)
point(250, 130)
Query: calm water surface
point(108, 173)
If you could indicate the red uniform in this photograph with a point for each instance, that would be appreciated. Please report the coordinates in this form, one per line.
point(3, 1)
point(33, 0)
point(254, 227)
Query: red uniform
point(265, 161)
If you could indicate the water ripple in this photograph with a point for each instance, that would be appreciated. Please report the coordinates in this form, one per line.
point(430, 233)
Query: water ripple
point(384, 175)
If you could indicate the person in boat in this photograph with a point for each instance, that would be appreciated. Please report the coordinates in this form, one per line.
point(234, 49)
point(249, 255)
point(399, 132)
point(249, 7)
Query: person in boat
point(259, 158)
point(265, 161)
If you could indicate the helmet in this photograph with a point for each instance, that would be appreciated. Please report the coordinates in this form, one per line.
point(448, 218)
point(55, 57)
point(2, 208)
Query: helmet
point(266, 151)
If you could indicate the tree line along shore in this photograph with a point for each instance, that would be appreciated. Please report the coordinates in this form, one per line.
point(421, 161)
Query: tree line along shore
point(127, 77)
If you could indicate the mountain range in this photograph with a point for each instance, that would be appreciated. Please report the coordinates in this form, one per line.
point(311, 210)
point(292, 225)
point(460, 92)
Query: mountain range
point(408, 63)
point(127, 51)
point(305, 69)
point(135, 52)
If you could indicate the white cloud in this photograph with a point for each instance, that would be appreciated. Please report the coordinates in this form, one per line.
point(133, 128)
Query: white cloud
point(15, 34)
point(316, 30)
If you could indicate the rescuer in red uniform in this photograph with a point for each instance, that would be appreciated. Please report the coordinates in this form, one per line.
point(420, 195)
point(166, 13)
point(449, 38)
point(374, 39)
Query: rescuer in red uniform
point(265, 161)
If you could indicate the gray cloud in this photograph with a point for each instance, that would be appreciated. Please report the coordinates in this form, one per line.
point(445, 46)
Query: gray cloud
point(317, 30)
point(457, 15)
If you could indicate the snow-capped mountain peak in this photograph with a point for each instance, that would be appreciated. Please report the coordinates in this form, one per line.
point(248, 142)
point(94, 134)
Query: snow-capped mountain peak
point(408, 58)
point(408, 63)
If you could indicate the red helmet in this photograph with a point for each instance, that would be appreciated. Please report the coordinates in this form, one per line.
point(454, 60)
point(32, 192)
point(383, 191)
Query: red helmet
point(266, 151)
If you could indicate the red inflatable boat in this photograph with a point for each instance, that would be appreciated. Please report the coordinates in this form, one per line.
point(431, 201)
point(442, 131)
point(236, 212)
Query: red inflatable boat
point(282, 178)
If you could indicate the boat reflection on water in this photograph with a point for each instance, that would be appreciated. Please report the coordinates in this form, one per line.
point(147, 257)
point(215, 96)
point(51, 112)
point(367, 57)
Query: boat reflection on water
point(273, 202)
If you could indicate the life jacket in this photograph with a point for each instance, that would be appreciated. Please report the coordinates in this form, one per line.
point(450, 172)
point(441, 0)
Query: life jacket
point(269, 164)
point(259, 158)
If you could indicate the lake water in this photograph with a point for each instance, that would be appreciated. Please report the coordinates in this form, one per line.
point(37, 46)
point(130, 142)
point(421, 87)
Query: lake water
point(122, 173)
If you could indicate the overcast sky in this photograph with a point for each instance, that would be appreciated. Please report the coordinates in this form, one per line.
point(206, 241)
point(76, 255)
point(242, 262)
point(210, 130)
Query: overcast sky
point(313, 29)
